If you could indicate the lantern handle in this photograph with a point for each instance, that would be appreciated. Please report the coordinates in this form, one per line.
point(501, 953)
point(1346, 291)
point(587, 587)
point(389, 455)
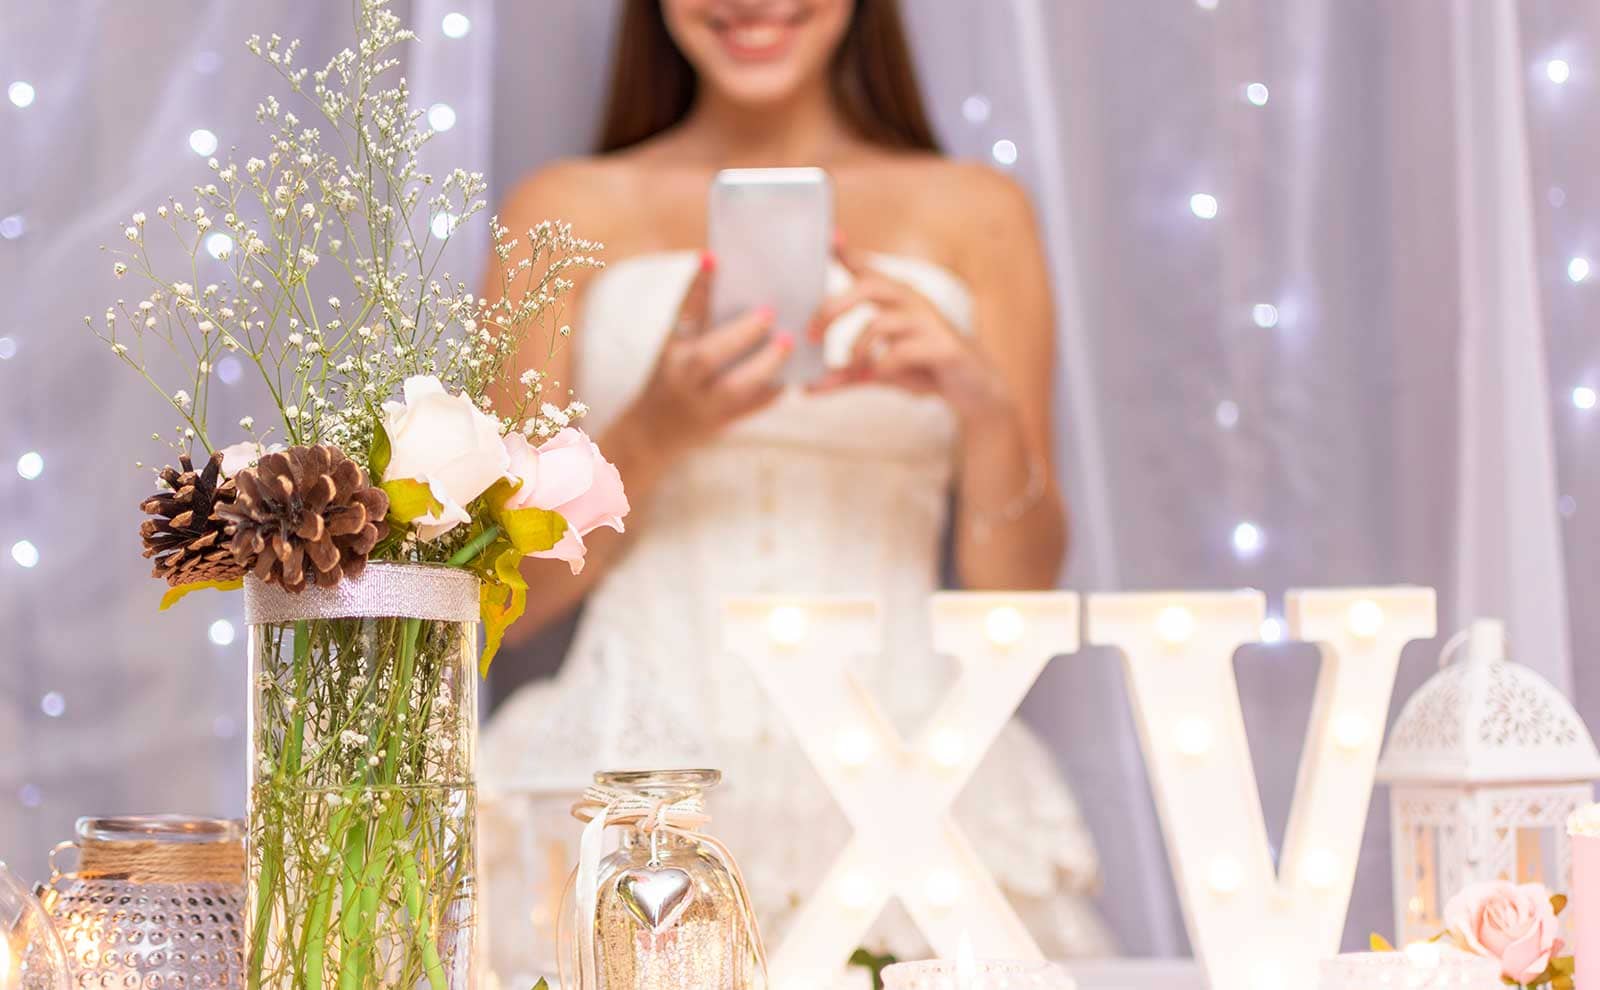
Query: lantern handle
point(1460, 639)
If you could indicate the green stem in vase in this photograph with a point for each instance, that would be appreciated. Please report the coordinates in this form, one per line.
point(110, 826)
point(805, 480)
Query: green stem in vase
point(290, 769)
point(475, 546)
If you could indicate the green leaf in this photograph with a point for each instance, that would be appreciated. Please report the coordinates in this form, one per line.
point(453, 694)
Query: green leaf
point(178, 593)
point(410, 499)
point(532, 530)
point(502, 598)
point(873, 964)
point(381, 453)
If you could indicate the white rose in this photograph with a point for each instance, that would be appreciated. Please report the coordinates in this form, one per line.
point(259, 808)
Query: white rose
point(244, 454)
point(448, 444)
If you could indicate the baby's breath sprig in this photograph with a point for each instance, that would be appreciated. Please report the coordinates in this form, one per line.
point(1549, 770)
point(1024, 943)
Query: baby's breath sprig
point(331, 343)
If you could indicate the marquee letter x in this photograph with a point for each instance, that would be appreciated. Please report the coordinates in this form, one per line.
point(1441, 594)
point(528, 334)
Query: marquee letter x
point(897, 794)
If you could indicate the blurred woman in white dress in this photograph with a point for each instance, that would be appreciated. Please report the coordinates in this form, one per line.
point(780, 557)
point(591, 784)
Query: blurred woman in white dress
point(931, 435)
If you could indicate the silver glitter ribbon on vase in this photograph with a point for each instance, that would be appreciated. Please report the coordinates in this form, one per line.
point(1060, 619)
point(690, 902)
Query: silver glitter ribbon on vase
point(432, 592)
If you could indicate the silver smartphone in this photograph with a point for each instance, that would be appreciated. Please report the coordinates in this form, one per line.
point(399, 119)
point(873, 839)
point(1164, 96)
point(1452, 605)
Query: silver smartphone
point(771, 230)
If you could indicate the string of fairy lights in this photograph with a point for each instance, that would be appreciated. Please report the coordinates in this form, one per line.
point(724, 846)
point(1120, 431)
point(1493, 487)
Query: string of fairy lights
point(1247, 538)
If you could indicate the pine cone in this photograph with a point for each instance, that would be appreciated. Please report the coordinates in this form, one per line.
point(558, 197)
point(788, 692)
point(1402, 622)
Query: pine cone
point(187, 538)
point(305, 505)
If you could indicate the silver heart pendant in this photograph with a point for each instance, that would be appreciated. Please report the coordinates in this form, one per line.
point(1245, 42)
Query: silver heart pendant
point(657, 896)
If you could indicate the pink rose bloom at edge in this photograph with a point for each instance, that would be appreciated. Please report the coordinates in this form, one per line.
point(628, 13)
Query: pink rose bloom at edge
point(569, 475)
point(1513, 923)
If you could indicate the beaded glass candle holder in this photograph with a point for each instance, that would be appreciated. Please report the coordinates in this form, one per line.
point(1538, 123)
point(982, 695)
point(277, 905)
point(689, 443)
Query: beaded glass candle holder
point(1419, 968)
point(976, 975)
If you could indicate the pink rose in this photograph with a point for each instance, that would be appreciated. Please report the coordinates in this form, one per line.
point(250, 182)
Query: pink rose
point(569, 475)
point(1513, 923)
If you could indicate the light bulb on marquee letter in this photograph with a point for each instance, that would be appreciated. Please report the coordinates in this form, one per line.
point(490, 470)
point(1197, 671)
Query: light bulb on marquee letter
point(1175, 625)
point(1225, 876)
point(946, 748)
point(943, 889)
point(1320, 869)
point(1350, 731)
point(853, 747)
point(855, 892)
point(1365, 618)
point(1004, 626)
point(787, 625)
point(1192, 736)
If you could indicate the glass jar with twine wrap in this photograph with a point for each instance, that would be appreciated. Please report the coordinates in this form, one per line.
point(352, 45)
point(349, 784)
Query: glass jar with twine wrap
point(363, 798)
point(668, 908)
point(154, 901)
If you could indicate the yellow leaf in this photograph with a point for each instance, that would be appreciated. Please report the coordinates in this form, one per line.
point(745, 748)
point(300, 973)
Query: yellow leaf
point(382, 451)
point(1379, 943)
point(501, 600)
point(410, 499)
point(1558, 902)
point(532, 530)
point(175, 595)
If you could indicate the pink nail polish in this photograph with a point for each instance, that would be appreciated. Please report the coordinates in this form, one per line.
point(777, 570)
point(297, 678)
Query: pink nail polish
point(785, 340)
point(708, 261)
point(765, 313)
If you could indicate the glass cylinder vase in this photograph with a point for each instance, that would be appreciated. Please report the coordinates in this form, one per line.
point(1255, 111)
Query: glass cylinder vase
point(363, 729)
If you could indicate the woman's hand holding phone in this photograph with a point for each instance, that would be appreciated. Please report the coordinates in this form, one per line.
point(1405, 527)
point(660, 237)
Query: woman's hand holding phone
point(707, 377)
point(908, 344)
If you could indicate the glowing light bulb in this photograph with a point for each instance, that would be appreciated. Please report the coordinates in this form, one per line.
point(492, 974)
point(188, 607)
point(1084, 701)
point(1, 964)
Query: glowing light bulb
point(1225, 877)
point(853, 747)
point(1257, 94)
point(1004, 626)
point(1004, 151)
point(1265, 315)
point(1175, 624)
point(1320, 869)
point(1246, 540)
point(1227, 414)
point(53, 704)
point(443, 225)
point(1578, 269)
point(1584, 397)
point(1206, 4)
point(221, 632)
point(30, 465)
point(13, 226)
point(943, 889)
point(787, 624)
point(21, 94)
point(975, 108)
point(455, 25)
point(1365, 618)
point(219, 245)
point(25, 553)
point(1203, 205)
point(441, 116)
point(1424, 955)
point(1557, 71)
point(947, 748)
point(8, 348)
point(855, 892)
point(1272, 629)
point(1192, 736)
point(1350, 731)
point(202, 142)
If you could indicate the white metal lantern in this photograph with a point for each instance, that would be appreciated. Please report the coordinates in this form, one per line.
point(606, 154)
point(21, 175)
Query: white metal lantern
point(1486, 762)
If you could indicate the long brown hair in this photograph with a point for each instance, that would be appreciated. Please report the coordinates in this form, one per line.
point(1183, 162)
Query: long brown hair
point(873, 79)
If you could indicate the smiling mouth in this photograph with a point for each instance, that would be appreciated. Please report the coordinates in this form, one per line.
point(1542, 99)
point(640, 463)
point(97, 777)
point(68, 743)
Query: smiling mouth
point(756, 40)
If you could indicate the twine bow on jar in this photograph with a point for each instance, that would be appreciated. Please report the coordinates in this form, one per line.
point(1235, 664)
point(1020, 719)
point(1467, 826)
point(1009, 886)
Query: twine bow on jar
point(656, 897)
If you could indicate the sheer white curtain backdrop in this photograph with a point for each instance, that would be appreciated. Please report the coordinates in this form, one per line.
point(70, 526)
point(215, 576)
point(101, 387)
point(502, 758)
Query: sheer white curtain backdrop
point(1326, 274)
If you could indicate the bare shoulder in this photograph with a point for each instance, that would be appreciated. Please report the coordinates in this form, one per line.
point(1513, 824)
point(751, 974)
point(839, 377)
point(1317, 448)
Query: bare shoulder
point(582, 191)
point(980, 198)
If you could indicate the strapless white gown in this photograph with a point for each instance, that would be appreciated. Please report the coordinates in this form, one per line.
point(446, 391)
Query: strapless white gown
point(840, 494)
